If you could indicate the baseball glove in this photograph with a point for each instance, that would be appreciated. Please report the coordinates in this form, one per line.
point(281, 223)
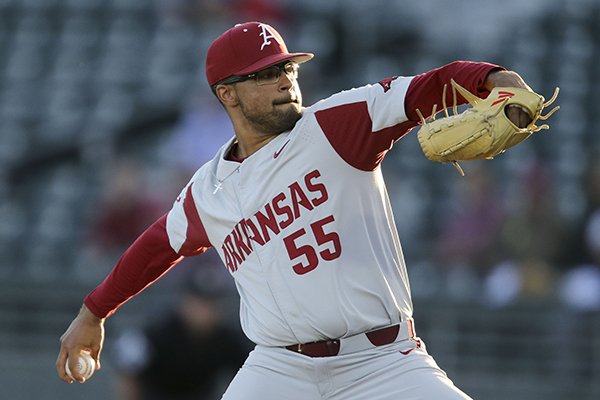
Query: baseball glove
point(483, 130)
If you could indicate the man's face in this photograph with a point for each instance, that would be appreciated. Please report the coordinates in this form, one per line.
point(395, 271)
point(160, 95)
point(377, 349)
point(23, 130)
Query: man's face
point(271, 108)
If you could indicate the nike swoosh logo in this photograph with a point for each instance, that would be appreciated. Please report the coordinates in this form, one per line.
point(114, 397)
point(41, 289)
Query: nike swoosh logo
point(278, 152)
point(406, 352)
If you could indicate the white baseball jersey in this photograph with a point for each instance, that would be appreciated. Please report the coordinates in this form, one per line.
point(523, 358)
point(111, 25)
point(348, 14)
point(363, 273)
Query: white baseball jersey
point(304, 225)
point(306, 229)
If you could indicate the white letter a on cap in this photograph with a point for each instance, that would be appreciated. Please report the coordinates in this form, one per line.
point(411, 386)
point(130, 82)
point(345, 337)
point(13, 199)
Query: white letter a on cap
point(267, 34)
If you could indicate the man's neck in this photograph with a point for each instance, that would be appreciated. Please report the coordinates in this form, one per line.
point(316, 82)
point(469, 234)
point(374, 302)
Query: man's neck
point(232, 153)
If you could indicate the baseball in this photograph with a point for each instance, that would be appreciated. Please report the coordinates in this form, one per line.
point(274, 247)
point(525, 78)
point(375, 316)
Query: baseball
point(85, 365)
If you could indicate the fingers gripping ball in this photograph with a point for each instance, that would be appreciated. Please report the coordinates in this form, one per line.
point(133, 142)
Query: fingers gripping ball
point(85, 366)
point(484, 130)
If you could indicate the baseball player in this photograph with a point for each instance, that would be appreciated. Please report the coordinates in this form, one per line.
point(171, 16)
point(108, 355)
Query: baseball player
point(296, 206)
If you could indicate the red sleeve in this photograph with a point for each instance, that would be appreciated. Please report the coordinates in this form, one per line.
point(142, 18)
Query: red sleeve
point(426, 89)
point(148, 258)
point(348, 127)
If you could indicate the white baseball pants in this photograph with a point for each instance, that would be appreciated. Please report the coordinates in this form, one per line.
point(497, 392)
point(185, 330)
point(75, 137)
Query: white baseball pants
point(398, 371)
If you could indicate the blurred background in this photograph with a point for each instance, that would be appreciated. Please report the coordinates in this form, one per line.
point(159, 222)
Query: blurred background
point(105, 114)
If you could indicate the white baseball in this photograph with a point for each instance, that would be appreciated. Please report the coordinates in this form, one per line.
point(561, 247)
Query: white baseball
point(85, 365)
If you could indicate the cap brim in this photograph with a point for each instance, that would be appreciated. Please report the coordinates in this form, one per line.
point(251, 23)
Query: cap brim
point(275, 59)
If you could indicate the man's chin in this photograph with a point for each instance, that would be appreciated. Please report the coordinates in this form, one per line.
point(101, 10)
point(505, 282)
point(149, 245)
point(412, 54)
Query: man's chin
point(286, 117)
point(292, 118)
point(282, 119)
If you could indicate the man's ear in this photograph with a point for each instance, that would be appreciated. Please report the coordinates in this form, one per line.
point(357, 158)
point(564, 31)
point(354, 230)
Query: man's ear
point(226, 95)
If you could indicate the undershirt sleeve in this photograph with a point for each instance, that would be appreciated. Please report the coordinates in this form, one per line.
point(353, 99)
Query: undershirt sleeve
point(148, 258)
point(426, 89)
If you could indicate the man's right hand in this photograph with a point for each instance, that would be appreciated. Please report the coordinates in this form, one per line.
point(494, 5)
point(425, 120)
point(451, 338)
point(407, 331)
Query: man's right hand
point(86, 333)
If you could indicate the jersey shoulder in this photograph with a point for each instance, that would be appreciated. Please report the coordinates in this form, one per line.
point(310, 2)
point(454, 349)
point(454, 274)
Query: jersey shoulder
point(361, 124)
point(390, 87)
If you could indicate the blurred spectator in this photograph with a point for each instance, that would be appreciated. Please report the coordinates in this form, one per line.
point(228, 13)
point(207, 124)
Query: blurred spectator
point(592, 236)
point(533, 228)
point(468, 234)
point(580, 286)
point(190, 352)
point(512, 281)
point(128, 204)
point(128, 207)
point(593, 182)
point(531, 243)
point(584, 246)
point(470, 230)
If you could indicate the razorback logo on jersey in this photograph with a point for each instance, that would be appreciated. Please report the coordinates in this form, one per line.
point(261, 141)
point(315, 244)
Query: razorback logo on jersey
point(283, 209)
point(386, 83)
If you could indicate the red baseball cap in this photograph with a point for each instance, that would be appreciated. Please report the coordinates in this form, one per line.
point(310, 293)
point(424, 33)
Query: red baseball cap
point(247, 48)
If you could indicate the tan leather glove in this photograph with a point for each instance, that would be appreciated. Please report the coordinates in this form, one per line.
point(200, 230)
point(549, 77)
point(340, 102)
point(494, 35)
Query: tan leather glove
point(484, 130)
